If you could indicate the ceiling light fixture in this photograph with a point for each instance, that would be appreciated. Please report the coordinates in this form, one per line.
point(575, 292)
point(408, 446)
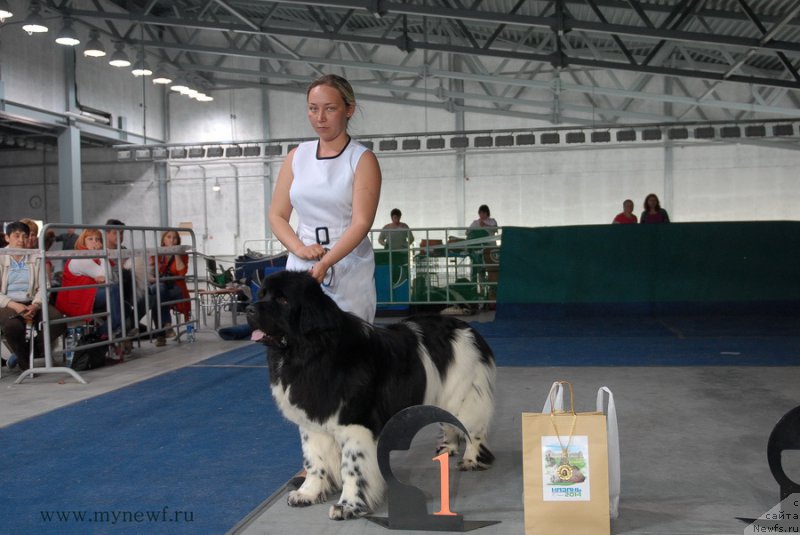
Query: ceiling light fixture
point(5, 11)
point(161, 75)
point(216, 186)
point(94, 48)
point(119, 58)
point(34, 23)
point(179, 86)
point(141, 68)
point(67, 36)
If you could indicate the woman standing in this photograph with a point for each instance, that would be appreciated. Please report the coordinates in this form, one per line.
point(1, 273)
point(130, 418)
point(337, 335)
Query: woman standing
point(334, 184)
point(653, 213)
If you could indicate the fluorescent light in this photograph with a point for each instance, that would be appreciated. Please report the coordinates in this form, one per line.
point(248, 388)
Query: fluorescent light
point(94, 48)
point(216, 186)
point(67, 36)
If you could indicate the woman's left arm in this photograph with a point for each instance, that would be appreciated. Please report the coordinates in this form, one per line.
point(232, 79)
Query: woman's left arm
point(366, 193)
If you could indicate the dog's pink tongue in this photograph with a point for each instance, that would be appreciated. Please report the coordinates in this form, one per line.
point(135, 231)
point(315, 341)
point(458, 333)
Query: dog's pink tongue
point(257, 335)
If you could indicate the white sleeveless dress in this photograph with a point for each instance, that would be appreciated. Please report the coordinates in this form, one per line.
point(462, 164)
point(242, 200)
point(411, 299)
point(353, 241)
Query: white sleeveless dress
point(322, 195)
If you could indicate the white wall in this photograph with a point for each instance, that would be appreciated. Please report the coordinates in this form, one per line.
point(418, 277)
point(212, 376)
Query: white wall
point(536, 187)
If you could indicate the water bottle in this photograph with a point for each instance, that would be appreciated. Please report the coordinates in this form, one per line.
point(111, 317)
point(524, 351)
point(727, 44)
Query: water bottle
point(190, 332)
point(69, 347)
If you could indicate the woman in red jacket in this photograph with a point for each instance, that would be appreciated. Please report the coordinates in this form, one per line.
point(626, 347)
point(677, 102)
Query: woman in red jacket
point(174, 265)
point(87, 271)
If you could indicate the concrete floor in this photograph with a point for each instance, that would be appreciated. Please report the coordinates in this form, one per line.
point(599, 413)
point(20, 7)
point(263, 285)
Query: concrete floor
point(693, 441)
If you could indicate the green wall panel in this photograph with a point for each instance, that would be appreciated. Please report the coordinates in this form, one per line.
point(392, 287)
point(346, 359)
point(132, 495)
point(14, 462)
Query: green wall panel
point(679, 262)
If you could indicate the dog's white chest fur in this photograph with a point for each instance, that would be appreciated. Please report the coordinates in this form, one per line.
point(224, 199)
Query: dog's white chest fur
point(295, 414)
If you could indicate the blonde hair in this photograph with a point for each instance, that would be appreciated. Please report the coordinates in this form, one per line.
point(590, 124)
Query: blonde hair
point(337, 82)
point(32, 226)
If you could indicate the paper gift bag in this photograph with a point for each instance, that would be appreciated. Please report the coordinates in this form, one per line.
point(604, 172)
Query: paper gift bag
point(555, 400)
point(565, 472)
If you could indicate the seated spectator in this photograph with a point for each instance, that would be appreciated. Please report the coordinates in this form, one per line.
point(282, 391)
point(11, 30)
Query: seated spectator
point(3, 241)
point(49, 240)
point(33, 238)
point(653, 213)
point(396, 235)
point(21, 300)
point(626, 216)
point(485, 220)
point(141, 272)
point(175, 265)
point(87, 271)
point(67, 239)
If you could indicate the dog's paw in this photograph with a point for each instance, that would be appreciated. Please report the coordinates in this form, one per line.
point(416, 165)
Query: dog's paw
point(471, 465)
point(483, 461)
point(299, 498)
point(451, 449)
point(347, 511)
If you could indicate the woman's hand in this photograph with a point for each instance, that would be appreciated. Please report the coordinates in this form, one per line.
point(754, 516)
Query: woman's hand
point(19, 308)
point(30, 311)
point(318, 271)
point(314, 251)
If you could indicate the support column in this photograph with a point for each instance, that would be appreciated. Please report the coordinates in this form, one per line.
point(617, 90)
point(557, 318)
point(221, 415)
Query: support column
point(70, 202)
point(668, 201)
point(461, 157)
point(265, 131)
point(163, 195)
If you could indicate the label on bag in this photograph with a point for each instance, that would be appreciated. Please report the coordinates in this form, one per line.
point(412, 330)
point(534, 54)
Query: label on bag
point(565, 479)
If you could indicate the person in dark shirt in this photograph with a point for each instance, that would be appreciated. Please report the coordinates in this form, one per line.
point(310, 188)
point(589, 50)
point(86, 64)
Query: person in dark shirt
point(653, 213)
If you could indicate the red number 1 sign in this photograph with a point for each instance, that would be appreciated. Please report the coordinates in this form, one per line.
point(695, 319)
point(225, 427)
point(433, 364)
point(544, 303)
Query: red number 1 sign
point(444, 478)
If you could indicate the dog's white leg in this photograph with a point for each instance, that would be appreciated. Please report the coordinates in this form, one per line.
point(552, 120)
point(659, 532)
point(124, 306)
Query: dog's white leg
point(476, 413)
point(448, 440)
point(362, 483)
point(321, 460)
point(468, 393)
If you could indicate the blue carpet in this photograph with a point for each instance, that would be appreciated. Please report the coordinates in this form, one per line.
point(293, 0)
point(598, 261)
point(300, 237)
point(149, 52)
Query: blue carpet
point(646, 341)
point(206, 443)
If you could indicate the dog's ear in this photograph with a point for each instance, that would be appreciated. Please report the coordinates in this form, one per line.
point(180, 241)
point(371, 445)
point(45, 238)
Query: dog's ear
point(318, 314)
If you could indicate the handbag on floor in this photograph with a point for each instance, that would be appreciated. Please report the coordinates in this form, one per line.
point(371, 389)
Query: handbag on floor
point(565, 469)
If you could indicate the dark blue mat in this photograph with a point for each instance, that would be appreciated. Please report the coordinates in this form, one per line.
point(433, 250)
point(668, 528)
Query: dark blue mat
point(191, 451)
point(647, 341)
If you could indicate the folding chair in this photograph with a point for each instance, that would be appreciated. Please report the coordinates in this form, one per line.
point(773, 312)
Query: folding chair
point(216, 276)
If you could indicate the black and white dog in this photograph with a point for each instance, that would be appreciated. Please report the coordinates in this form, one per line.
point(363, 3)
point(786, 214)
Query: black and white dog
point(340, 379)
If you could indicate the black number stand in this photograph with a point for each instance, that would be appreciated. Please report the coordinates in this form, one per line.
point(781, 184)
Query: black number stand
point(407, 508)
point(785, 436)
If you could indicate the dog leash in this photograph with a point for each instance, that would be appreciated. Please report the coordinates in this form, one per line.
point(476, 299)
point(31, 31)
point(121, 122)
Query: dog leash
point(323, 238)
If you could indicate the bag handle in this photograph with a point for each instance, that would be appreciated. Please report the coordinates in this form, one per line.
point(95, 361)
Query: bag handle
point(555, 399)
point(613, 448)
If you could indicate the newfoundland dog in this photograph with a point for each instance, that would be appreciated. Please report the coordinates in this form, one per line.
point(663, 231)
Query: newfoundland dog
point(340, 379)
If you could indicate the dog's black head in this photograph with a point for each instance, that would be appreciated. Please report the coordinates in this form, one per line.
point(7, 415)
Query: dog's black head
point(291, 308)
